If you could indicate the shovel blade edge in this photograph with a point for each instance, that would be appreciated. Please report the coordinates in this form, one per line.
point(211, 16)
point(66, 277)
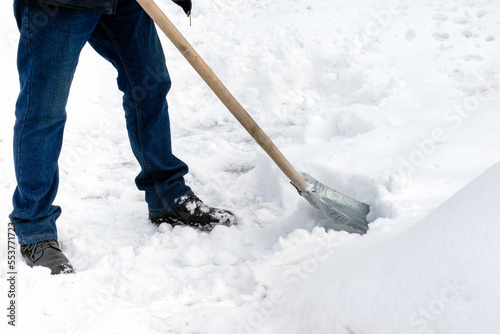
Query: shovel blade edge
point(346, 213)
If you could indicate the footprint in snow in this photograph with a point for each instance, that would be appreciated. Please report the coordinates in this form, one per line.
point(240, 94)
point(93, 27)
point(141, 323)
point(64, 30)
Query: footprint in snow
point(461, 20)
point(473, 58)
point(410, 35)
point(440, 18)
point(468, 34)
point(440, 36)
point(481, 13)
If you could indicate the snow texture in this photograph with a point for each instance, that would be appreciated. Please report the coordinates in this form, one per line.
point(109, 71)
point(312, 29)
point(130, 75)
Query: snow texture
point(394, 103)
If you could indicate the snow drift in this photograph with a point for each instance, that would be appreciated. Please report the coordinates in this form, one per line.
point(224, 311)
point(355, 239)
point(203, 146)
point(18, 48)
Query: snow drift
point(440, 276)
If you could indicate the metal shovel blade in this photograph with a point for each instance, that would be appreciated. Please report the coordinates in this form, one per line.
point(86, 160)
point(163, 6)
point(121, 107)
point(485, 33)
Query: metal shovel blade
point(346, 213)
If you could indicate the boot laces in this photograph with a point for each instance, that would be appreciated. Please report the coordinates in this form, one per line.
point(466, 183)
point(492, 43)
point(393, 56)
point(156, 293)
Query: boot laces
point(37, 247)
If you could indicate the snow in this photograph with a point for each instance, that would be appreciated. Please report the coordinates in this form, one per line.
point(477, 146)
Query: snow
point(394, 103)
point(439, 271)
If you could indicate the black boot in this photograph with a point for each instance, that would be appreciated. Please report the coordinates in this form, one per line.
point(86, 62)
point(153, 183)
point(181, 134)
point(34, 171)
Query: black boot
point(193, 212)
point(47, 254)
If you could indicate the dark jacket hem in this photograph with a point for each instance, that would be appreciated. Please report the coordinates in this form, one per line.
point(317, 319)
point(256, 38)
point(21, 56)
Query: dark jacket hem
point(101, 6)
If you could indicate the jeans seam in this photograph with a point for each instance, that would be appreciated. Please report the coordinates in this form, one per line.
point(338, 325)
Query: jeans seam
point(138, 115)
point(30, 81)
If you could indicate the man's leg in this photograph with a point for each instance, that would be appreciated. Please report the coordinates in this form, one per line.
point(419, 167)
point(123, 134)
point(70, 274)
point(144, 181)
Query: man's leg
point(49, 47)
point(129, 41)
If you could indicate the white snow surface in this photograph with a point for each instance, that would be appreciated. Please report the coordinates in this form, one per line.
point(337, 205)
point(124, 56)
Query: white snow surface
point(394, 103)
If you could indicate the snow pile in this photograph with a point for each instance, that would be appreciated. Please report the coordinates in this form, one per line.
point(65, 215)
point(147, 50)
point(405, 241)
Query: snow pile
point(394, 103)
point(439, 276)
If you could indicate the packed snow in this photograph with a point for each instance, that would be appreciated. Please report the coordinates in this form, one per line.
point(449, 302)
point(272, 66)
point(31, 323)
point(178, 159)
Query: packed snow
point(394, 103)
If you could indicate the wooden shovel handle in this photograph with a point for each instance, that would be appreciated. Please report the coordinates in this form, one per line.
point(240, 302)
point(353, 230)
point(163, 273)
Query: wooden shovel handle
point(222, 92)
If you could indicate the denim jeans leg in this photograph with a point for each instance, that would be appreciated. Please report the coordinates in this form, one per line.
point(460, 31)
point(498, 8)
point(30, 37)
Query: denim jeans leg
point(47, 57)
point(130, 42)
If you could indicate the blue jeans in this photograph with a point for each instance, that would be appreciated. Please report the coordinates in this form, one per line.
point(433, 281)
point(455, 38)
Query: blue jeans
point(49, 48)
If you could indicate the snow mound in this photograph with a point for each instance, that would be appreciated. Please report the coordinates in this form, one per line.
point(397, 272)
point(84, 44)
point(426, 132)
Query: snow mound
point(439, 276)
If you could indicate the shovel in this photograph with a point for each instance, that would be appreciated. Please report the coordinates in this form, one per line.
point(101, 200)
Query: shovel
point(346, 213)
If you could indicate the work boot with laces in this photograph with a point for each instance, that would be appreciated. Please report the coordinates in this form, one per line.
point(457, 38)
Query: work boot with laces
point(193, 212)
point(47, 254)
